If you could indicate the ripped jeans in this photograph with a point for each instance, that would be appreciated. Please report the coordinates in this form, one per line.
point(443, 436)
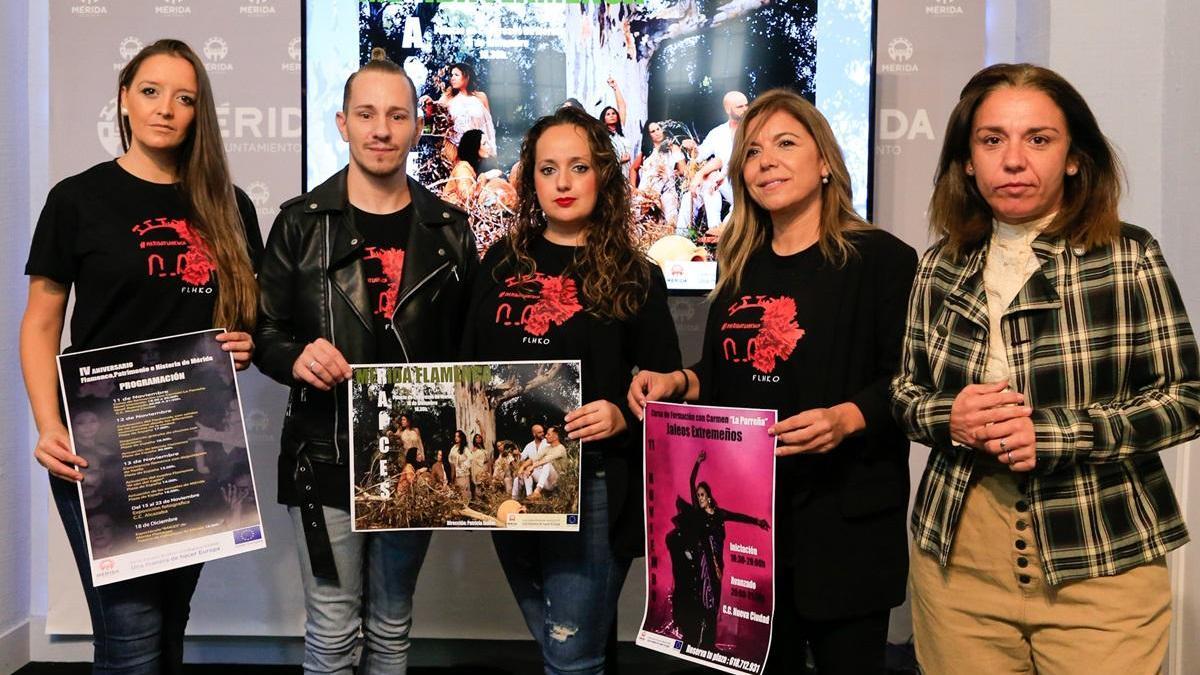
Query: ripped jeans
point(567, 583)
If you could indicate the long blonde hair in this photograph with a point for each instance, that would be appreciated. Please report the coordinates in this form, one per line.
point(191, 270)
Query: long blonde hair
point(749, 225)
point(207, 188)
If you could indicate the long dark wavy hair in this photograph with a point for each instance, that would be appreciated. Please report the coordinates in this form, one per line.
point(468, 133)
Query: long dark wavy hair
point(468, 73)
point(1088, 216)
point(620, 130)
point(207, 188)
point(615, 275)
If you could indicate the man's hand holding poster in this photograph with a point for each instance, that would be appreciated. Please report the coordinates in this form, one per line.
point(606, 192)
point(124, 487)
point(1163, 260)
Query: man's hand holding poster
point(464, 446)
point(710, 476)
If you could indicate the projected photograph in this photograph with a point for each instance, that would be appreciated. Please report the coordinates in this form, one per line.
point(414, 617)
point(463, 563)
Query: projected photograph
point(669, 78)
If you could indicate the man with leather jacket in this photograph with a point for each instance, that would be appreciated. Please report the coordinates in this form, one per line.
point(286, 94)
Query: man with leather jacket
point(368, 267)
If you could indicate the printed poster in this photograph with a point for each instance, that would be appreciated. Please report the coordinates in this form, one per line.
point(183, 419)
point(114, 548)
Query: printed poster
point(464, 446)
point(710, 477)
point(169, 480)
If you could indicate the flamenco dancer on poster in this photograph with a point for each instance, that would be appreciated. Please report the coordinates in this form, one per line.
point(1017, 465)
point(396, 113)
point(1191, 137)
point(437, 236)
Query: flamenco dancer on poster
point(697, 547)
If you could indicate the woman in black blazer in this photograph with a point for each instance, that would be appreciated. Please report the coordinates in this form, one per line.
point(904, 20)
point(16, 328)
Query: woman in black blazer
point(808, 319)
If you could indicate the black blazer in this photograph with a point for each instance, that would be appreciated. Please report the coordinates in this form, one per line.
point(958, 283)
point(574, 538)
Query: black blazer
point(840, 525)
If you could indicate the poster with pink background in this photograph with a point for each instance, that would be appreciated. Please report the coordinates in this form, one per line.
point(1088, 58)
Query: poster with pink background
point(710, 478)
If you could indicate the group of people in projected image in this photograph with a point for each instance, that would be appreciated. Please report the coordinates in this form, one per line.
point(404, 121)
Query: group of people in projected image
point(680, 192)
point(471, 478)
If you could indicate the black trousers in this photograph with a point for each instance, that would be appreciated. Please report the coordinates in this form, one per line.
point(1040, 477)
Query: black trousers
point(849, 646)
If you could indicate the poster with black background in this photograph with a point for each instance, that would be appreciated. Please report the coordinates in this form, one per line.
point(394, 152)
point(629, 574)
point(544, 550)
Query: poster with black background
point(169, 481)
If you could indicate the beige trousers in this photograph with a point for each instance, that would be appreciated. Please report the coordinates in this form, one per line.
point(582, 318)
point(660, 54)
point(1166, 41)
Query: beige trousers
point(990, 611)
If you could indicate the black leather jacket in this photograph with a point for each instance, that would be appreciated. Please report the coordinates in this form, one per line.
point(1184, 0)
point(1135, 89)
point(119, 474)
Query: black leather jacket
point(313, 286)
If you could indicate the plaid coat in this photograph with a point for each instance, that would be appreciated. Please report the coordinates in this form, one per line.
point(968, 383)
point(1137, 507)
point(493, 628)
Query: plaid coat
point(1101, 347)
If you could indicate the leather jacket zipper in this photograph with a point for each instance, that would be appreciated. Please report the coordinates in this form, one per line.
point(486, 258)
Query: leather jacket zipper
point(409, 294)
point(332, 337)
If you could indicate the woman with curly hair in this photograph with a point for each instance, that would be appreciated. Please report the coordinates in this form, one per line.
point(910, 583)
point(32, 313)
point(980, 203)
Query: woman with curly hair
point(568, 283)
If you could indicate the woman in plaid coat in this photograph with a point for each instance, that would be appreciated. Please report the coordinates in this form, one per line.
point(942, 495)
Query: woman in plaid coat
point(1047, 360)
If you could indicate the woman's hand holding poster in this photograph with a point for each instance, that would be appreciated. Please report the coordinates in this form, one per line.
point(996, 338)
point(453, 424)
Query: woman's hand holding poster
point(168, 481)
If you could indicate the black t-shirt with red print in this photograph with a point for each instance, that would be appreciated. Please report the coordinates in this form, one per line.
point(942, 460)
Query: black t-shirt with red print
point(138, 268)
point(763, 342)
point(543, 316)
point(385, 237)
point(801, 333)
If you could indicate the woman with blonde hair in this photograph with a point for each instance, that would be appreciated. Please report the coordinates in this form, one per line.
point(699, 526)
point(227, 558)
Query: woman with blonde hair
point(807, 320)
point(1047, 360)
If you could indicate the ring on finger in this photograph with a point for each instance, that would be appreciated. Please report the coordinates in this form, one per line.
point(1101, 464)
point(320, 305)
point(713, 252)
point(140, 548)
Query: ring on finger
point(1008, 457)
point(1003, 445)
point(313, 363)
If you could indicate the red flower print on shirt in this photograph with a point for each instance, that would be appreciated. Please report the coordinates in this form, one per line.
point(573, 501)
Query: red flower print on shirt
point(776, 336)
point(193, 264)
point(391, 261)
point(556, 300)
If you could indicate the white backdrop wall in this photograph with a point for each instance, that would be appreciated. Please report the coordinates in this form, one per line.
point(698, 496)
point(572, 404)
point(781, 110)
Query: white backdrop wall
point(14, 420)
point(1180, 169)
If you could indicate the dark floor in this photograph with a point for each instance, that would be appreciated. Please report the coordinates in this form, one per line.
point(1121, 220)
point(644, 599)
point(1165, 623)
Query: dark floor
point(479, 658)
point(467, 657)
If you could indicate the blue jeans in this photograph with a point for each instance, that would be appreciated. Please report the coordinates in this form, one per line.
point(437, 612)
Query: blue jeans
point(335, 610)
point(137, 625)
point(567, 583)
